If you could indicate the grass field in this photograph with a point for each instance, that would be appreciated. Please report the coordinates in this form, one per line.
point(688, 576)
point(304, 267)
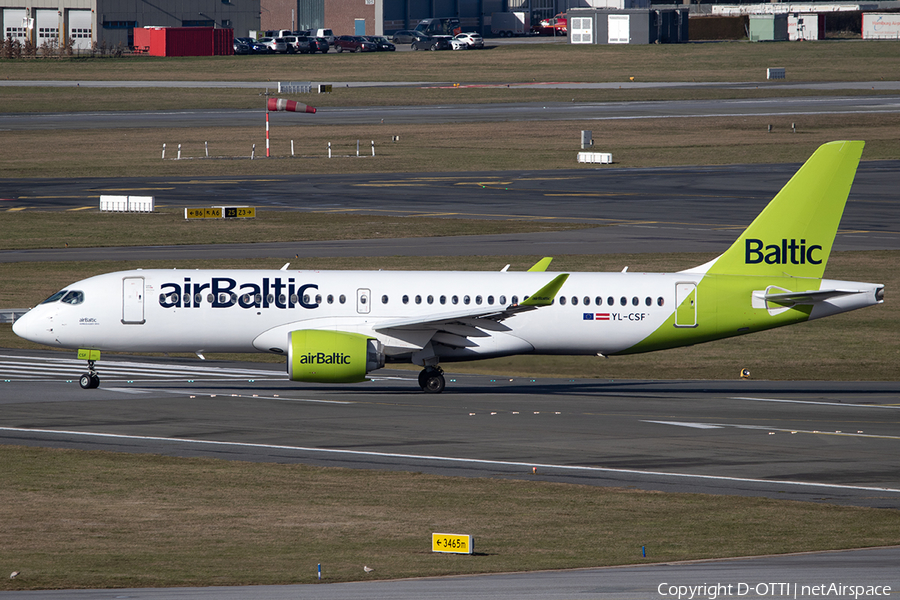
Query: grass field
point(838, 60)
point(143, 521)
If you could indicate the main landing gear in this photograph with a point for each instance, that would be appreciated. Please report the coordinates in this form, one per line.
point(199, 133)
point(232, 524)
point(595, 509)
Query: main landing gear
point(90, 380)
point(431, 380)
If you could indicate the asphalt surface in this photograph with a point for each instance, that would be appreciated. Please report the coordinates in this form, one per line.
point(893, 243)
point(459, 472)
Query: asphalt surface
point(814, 441)
point(805, 576)
point(460, 113)
point(690, 209)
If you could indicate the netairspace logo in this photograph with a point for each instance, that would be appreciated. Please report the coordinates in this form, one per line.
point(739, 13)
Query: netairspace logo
point(712, 591)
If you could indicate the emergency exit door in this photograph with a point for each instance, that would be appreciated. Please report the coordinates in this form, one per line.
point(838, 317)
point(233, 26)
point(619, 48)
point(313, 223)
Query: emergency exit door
point(686, 304)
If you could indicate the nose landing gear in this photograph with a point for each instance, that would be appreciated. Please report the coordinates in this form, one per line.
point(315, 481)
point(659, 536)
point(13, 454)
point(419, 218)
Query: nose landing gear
point(431, 380)
point(89, 380)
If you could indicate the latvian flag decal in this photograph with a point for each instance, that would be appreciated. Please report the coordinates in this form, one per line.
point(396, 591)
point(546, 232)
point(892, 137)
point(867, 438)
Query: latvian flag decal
point(596, 316)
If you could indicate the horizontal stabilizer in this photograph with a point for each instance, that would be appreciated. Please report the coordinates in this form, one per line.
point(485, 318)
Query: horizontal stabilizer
point(810, 297)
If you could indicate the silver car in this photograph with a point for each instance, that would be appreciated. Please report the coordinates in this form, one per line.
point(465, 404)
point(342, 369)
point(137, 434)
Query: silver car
point(274, 44)
point(472, 40)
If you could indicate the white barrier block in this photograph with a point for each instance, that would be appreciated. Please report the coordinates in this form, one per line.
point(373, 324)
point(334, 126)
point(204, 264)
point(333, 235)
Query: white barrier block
point(140, 203)
point(775, 73)
point(114, 203)
point(595, 157)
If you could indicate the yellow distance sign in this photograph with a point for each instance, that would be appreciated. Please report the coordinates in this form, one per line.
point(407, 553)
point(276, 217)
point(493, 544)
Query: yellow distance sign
point(453, 543)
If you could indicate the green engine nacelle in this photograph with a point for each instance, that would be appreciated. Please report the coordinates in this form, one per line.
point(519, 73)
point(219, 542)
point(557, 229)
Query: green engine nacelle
point(332, 356)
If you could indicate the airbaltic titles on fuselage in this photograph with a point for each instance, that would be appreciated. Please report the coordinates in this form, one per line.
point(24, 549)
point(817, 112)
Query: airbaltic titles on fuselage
point(225, 292)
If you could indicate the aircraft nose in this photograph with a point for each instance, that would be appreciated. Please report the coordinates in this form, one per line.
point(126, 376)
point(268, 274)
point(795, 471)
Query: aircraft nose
point(20, 326)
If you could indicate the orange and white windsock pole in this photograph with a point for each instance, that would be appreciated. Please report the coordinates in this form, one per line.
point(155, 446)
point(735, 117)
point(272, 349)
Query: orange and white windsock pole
point(287, 105)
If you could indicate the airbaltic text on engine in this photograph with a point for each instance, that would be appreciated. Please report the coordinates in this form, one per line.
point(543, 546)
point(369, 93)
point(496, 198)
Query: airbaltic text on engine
point(321, 358)
point(776, 254)
point(224, 292)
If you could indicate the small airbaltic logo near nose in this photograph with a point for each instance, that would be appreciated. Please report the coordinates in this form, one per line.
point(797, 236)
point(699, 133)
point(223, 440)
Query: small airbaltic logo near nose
point(789, 252)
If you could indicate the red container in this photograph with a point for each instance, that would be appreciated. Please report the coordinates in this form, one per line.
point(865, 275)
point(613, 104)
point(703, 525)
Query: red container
point(184, 41)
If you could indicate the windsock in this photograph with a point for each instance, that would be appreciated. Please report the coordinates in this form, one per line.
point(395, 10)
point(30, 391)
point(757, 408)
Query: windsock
point(288, 105)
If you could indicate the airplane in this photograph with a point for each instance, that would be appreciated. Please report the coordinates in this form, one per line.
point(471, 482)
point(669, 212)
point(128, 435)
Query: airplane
point(339, 326)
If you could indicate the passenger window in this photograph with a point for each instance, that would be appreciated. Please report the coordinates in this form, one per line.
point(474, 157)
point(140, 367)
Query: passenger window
point(587, 301)
point(477, 299)
point(330, 299)
point(210, 298)
point(318, 298)
point(342, 299)
point(455, 299)
point(405, 299)
point(466, 299)
point(490, 299)
point(305, 299)
point(623, 301)
point(384, 299)
point(610, 300)
point(515, 299)
point(635, 301)
point(443, 299)
point(54, 297)
point(270, 299)
point(430, 299)
point(598, 301)
point(294, 299)
point(648, 301)
point(502, 299)
point(574, 300)
point(418, 299)
point(562, 300)
point(660, 301)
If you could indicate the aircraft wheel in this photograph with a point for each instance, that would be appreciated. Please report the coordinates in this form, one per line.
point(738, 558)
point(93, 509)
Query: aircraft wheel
point(431, 380)
point(89, 381)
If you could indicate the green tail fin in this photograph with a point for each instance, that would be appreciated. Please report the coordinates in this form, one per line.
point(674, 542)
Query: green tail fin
point(794, 234)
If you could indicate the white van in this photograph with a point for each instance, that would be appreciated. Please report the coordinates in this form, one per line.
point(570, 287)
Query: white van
point(325, 33)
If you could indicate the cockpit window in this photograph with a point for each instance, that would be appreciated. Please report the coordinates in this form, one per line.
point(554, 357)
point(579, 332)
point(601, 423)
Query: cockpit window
point(73, 297)
point(54, 297)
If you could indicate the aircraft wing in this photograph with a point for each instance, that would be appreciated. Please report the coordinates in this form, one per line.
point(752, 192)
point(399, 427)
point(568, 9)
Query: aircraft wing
point(454, 328)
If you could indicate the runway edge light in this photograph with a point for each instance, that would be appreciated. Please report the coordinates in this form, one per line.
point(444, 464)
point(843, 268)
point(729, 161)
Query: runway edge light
point(452, 543)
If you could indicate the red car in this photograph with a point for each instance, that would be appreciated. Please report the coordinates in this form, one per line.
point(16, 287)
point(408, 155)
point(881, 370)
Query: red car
point(354, 43)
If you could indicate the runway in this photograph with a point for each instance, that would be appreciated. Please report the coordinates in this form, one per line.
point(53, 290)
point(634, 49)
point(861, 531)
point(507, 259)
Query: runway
point(829, 442)
point(460, 113)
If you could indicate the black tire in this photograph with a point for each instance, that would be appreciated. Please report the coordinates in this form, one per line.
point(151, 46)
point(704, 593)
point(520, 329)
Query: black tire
point(95, 381)
point(86, 381)
point(434, 383)
point(434, 47)
point(340, 49)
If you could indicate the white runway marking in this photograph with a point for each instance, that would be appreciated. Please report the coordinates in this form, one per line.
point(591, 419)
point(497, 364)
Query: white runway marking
point(836, 404)
point(474, 461)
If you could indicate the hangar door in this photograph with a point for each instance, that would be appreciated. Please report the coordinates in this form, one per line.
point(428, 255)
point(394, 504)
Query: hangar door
point(619, 29)
point(14, 26)
point(79, 27)
point(47, 26)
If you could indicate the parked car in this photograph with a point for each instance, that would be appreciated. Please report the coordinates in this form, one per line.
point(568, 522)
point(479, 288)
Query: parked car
point(297, 44)
point(242, 47)
point(473, 40)
point(404, 36)
point(325, 33)
point(353, 43)
point(456, 44)
point(381, 43)
point(273, 44)
point(426, 42)
point(277, 33)
point(317, 44)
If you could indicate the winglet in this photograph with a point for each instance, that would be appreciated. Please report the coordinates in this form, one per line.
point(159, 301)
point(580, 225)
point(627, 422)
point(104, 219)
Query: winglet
point(541, 265)
point(545, 295)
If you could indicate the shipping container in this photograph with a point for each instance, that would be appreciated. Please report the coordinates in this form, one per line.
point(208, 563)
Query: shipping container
point(183, 41)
